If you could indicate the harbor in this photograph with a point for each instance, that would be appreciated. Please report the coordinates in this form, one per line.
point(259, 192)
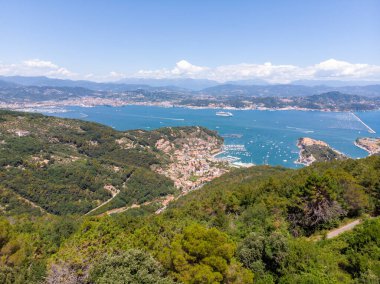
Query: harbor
point(252, 136)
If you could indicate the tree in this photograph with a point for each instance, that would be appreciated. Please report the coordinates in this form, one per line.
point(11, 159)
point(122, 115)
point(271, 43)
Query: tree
point(201, 255)
point(316, 204)
point(133, 266)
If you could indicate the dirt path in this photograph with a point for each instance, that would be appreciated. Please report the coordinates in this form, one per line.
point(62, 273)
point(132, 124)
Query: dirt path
point(104, 203)
point(31, 203)
point(336, 232)
point(109, 200)
point(120, 209)
point(163, 200)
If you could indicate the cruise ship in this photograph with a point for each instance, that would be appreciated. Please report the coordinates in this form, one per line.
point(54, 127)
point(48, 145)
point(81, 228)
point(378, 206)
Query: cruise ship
point(224, 113)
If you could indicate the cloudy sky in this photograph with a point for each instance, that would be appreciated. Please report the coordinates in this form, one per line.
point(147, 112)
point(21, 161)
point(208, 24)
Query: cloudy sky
point(276, 41)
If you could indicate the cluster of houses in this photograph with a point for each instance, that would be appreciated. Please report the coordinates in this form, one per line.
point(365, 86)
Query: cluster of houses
point(192, 161)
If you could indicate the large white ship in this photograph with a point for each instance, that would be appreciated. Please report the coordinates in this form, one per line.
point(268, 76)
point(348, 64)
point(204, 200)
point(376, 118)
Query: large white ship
point(224, 113)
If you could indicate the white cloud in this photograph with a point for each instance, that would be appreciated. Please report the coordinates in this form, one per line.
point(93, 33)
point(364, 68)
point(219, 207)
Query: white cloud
point(40, 64)
point(36, 67)
point(185, 67)
point(182, 69)
point(341, 69)
point(329, 69)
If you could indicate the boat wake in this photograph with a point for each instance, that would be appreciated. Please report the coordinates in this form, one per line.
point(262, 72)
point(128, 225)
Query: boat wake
point(303, 130)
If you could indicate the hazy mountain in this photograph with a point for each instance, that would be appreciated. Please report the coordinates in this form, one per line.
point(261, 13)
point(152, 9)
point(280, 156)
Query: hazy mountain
point(247, 82)
point(288, 90)
point(42, 81)
point(21, 93)
point(186, 83)
point(5, 84)
point(189, 86)
point(333, 83)
point(259, 90)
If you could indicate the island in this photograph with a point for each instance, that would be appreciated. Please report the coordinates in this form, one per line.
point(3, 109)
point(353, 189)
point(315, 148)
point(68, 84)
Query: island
point(369, 144)
point(312, 150)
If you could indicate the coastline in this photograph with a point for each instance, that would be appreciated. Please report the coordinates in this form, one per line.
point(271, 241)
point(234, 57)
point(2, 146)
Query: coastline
point(304, 142)
point(303, 160)
point(231, 164)
point(36, 107)
point(370, 153)
point(363, 148)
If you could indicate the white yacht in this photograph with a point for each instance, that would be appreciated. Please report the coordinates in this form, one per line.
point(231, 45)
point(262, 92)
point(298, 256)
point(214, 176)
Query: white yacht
point(224, 113)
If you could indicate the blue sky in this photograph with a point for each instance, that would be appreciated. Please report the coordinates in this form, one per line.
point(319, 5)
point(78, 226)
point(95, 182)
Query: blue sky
point(94, 38)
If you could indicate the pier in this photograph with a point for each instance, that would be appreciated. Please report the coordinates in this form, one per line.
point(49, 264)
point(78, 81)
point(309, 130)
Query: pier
point(370, 130)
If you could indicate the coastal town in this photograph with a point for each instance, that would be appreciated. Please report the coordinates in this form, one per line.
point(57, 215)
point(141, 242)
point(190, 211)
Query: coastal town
point(29, 97)
point(192, 161)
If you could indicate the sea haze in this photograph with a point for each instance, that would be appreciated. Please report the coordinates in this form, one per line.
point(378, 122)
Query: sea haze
point(259, 137)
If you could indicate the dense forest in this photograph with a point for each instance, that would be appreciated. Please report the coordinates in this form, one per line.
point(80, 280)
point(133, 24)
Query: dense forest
point(256, 225)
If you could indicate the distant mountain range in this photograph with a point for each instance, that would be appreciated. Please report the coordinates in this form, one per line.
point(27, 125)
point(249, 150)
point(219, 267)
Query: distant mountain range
point(288, 90)
point(185, 83)
point(334, 83)
point(95, 86)
point(256, 88)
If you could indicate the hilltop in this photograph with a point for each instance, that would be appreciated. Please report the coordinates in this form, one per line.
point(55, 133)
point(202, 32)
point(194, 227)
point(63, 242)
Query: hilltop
point(66, 166)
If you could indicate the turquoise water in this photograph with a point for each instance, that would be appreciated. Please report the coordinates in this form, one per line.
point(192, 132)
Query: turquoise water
point(259, 137)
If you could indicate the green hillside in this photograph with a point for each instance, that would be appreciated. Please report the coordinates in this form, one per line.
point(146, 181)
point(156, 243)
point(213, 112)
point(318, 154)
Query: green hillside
point(65, 166)
point(256, 225)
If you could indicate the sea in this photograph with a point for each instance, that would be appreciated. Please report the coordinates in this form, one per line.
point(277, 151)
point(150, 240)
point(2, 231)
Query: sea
point(250, 136)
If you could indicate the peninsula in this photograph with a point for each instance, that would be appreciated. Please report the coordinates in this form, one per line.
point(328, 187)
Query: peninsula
point(312, 150)
point(371, 145)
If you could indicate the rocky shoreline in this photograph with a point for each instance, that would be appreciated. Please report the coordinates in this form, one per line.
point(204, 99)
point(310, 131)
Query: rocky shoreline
point(371, 145)
point(312, 150)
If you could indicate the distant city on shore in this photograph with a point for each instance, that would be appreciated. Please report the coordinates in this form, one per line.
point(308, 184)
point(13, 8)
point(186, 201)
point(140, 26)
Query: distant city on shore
point(32, 92)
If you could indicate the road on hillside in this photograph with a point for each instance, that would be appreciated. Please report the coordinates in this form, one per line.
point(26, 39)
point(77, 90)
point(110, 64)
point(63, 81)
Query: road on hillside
point(345, 228)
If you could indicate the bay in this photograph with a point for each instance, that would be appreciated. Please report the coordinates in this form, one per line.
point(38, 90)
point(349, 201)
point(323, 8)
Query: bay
point(252, 136)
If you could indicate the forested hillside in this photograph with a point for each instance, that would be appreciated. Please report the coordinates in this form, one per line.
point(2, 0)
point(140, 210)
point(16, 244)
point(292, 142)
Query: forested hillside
point(64, 166)
point(262, 224)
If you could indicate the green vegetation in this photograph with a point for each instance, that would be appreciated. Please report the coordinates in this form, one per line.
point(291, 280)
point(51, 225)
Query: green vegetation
point(254, 225)
point(65, 166)
point(251, 224)
point(132, 266)
point(322, 153)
